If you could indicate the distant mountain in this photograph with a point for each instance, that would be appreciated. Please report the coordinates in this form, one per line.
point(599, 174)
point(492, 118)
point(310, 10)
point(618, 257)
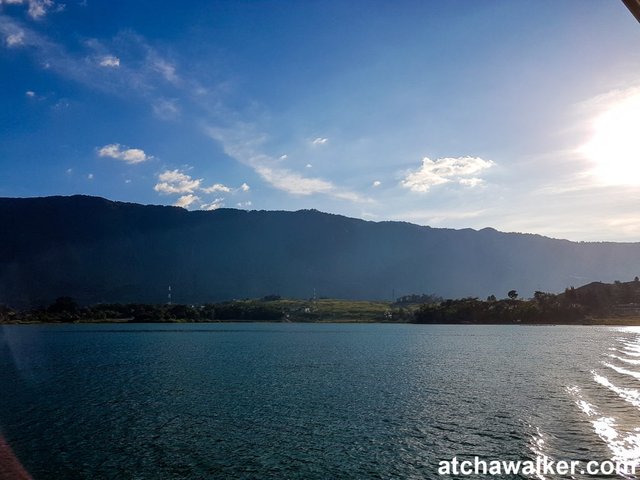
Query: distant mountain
point(96, 250)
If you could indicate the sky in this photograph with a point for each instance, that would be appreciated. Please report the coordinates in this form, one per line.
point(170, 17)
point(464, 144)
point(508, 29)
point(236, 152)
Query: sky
point(519, 115)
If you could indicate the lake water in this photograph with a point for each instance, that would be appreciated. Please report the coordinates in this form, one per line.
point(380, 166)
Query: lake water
point(312, 401)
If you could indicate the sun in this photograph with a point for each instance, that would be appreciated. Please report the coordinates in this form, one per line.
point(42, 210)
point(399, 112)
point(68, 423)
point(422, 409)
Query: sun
point(614, 148)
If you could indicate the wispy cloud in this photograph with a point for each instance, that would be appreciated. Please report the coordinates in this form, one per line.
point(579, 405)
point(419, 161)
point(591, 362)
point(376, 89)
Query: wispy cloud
point(439, 216)
point(186, 200)
point(376, 183)
point(175, 181)
point(243, 144)
point(214, 205)
point(461, 170)
point(471, 182)
point(292, 182)
point(37, 8)
point(98, 64)
point(15, 39)
point(166, 69)
point(128, 66)
point(166, 109)
point(128, 155)
point(109, 61)
point(54, 57)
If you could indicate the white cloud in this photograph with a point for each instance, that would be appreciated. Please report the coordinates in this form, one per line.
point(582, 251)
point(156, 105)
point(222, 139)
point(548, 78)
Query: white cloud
point(30, 93)
point(445, 170)
point(376, 183)
point(308, 165)
point(15, 39)
point(90, 176)
point(283, 157)
point(175, 181)
point(178, 182)
point(244, 204)
point(128, 155)
point(109, 61)
point(186, 200)
point(216, 204)
point(216, 187)
point(319, 141)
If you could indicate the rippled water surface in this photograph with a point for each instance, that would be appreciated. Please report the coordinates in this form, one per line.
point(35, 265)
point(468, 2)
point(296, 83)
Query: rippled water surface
point(312, 401)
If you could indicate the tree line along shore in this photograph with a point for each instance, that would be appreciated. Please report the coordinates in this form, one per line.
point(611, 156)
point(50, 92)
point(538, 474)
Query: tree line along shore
point(597, 303)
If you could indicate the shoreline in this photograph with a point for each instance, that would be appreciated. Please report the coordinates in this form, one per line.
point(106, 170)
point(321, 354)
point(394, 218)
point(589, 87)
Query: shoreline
point(600, 322)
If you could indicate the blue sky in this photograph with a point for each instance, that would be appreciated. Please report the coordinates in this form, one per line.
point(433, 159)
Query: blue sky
point(518, 115)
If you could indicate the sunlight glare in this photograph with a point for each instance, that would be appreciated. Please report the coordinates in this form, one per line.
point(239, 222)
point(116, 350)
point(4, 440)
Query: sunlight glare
point(615, 146)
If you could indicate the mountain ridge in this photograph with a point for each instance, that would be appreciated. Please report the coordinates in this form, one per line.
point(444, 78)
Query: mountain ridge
point(98, 250)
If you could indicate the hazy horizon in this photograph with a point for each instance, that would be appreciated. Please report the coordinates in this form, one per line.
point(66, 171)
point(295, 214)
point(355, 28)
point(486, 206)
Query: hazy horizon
point(249, 209)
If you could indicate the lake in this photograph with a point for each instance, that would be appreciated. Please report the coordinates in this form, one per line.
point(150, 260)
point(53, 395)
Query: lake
point(312, 401)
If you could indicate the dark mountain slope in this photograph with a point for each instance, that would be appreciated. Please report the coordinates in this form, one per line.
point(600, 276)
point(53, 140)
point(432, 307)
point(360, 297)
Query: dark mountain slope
point(96, 250)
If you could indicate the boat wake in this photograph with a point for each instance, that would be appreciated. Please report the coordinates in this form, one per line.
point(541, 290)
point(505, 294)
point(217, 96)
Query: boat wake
point(611, 402)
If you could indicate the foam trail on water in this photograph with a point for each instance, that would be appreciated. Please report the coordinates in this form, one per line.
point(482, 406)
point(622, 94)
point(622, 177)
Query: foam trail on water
point(633, 347)
point(623, 371)
point(630, 395)
point(537, 447)
point(631, 354)
point(625, 448)
point(626, 360)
